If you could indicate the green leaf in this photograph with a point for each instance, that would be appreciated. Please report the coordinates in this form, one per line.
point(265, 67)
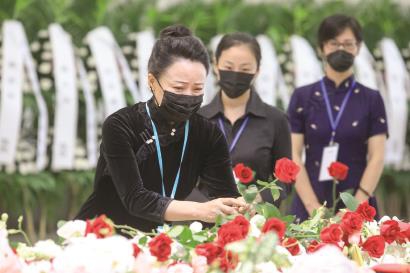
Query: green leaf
point(186, 235)
point(288, 218)
point(143, 240)
point(199, 238)
point(350, 202)
point(250, 194)
point(176, 231)
point(275, 194)
point(262, 183)
point(268, 210)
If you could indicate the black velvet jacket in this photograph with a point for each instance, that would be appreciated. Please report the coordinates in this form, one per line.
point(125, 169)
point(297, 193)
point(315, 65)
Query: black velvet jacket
point(127, 185)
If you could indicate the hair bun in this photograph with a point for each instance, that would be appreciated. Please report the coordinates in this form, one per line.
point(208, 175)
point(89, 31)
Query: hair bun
point(175, 31)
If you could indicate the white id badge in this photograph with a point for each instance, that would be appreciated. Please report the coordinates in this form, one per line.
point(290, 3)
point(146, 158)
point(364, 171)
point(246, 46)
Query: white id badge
point(329, 156)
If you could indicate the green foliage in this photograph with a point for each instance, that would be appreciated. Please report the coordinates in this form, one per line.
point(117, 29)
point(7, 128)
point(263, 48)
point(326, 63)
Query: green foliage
point(350, 202)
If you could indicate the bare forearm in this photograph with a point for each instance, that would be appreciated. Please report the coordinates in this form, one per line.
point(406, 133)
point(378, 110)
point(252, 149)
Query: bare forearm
point(182, 211)
point(370, 178)
point(304, 188)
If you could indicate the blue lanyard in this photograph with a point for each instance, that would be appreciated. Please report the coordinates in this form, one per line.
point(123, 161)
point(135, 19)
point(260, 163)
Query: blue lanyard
point(334, 123)
point(159, 155)
point(238, 134)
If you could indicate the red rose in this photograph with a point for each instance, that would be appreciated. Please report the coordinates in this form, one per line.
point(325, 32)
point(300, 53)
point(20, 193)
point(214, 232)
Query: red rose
point(314, 246)
point(351, 222)
point(137, 250)
point(160, 247)
point(228, 233)
point(404, 232)
point(101, 226)
point(374, 245)
point(274, 224)
point(332, 234)
point(286, 170)
point(366, 211)
point(228, 261)
point(243, 173)
point(292, 245)
point(338, 170)
point(210, 251)
point(390, 230)
point(243, 223)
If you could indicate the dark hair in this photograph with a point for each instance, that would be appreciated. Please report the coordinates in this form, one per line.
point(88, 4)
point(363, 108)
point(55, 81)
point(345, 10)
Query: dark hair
point(239, 38)
point(335, 24)
point(174, 42)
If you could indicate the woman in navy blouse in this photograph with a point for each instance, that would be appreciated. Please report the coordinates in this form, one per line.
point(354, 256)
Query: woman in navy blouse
point(337, 111)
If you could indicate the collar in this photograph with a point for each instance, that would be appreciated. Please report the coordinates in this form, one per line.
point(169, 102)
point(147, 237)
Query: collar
point(254, 106)
point(343, 87)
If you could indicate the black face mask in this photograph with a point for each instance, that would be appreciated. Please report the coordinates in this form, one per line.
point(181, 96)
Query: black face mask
point(234, 84)
point(177, 108)
point(340, 60)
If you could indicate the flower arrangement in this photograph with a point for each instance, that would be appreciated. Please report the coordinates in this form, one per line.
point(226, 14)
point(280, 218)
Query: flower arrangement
point(350, 241)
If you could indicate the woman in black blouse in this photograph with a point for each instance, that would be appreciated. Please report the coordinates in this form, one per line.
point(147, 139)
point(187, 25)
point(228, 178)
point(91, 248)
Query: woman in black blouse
point(152, 153)
point(257, 133)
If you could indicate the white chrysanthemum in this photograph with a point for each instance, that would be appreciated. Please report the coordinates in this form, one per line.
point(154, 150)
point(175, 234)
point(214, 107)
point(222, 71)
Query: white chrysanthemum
point(72, 229)
point(112, 254)
point(195, 227)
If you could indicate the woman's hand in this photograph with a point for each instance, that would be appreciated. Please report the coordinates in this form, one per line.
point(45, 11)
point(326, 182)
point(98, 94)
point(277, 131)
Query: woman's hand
point(208, 211)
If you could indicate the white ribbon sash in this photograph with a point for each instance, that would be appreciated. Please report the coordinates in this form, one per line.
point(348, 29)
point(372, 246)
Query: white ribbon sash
point(66, 108)
point(103, 51)
point(307, 68)
point(145, 42)
point(397, 80)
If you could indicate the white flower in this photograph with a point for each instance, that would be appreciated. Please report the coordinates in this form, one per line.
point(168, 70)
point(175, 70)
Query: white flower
point(46, 84)
point(254, 231)
point(45, 68)
point(88, 254)
point(35, 46)
point(127, 50)
point(42, 250)
point(38, 267)
point(47, 56)
point(195, 227)
point(326, 259)
point(144, 263)
point(258, 220)
point(180, 268)
point(199, 264)
point(372, 227)
point(72, 229)
point(268, 267)
point(9, 262)
point(177, 249)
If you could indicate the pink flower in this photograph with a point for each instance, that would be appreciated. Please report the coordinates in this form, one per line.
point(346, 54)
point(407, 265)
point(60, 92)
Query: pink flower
point(9, 262)
point(199, 264)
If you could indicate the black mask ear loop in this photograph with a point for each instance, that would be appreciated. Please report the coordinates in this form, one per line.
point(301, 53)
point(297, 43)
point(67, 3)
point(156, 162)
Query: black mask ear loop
point(153, 94)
